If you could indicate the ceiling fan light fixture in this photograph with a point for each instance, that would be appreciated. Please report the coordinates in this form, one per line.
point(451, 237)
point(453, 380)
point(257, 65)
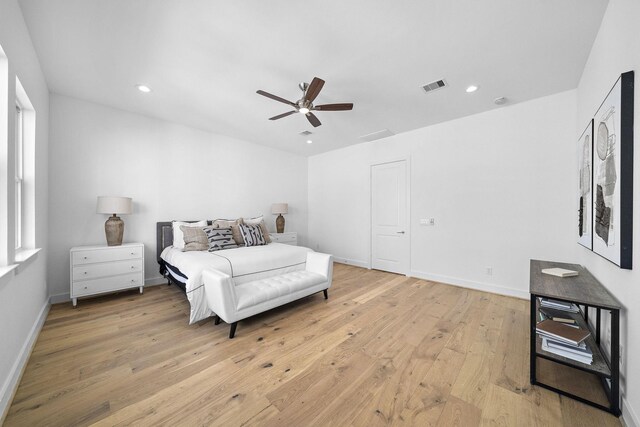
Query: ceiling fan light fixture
point(304, 110)
point(309, 141)
point(472, 89)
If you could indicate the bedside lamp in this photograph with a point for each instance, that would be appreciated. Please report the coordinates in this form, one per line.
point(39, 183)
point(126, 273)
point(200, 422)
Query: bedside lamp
point(114, 227)
point(279, 209)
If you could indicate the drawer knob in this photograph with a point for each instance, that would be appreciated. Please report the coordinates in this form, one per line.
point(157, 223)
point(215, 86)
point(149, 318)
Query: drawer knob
point(85, 272)
point(133, 253)
point(85, 287)
point(84, 257)
point(132, 267)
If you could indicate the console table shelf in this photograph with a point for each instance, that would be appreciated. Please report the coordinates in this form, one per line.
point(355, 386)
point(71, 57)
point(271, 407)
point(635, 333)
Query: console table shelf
point(586, 292)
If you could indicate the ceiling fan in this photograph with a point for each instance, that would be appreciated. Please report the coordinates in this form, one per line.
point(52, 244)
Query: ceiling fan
point(305, 104)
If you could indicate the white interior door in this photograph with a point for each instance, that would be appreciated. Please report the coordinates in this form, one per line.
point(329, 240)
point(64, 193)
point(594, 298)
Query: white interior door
point(390, 217)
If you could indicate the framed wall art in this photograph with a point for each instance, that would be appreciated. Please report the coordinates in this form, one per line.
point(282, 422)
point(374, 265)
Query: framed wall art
point(585, 183)
point(612, 185)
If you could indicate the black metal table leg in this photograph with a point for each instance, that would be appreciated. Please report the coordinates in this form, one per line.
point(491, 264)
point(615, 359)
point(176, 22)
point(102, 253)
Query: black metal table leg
point(532, 340)
point(615, 362)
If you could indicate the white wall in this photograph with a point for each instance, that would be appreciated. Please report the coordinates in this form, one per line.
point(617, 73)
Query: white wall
point(23, 294)
point(617, 50)
point(499, 185)
point(171, 172)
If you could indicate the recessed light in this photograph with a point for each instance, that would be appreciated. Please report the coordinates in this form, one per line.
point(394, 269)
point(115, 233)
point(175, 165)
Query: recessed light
point(303, 110)
point(309, 141)
point(500, 101)
point(472, 88)
point(143, 88)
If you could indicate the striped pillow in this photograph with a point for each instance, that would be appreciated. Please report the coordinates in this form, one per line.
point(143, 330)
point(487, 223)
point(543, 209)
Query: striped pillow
point(252, 235)
point(219, 238)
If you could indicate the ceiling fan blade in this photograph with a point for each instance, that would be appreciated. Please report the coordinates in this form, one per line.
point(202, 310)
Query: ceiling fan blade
point(313, 120)
point(279, 116)
point(334, 107)
point(314, 89)
point(274, 97)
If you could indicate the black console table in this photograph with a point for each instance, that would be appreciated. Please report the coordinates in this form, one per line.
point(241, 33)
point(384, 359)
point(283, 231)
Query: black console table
point(584, 291)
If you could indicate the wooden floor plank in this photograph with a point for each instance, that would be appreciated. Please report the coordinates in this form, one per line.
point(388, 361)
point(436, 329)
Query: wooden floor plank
point(383, 350)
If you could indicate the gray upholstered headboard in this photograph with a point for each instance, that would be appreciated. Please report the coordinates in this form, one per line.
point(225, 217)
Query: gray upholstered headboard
point(164, 236)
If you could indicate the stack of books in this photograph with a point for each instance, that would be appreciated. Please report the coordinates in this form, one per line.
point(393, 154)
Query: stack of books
point(559, 305)
point(565, 340)
point(556, 316)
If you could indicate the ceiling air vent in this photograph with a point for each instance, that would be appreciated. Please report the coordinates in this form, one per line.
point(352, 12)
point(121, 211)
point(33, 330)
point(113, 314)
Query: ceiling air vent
point(376, 135)
point(430, 87)
point(305, 133)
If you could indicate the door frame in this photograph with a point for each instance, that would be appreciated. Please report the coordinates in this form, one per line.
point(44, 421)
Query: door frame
point(407, 160)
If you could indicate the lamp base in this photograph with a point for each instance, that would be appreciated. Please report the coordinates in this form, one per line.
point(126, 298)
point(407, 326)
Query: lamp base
point(280, 224)
point(114, 229)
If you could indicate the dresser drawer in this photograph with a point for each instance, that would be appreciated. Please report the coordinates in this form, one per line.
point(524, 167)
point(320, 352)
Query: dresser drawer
point(105, 255)
point(284, 238)
point(94, 271)
point(106, 284)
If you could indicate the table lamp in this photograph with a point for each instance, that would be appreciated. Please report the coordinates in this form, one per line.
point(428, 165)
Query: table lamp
point(279, 208)
point(114, 227)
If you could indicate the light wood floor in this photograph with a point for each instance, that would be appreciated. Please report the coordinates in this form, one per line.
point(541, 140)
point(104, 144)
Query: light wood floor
point(383, 350)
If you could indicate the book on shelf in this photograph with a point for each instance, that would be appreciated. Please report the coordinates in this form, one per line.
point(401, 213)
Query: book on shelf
point(559, 305)
point(549, 314)
point(556, 315)
point(561, 332)
point(559, 272)
point(577, 353)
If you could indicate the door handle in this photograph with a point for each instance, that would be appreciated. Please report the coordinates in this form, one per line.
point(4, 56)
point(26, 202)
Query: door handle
point(400, 232)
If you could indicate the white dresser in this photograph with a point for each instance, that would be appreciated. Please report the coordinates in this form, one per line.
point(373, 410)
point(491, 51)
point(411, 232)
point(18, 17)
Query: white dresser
point(101, 269)
point(288, 238)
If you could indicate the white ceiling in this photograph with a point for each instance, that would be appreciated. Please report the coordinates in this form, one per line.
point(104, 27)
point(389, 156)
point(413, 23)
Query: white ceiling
point(205, 59)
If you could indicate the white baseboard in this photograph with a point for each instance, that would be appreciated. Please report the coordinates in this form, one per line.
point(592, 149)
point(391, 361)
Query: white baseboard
point(59, 298)
point(349, 261)
point(11, 384)
point(66, 297)
point(486, 287)
point(153, 281)
point(629, 417)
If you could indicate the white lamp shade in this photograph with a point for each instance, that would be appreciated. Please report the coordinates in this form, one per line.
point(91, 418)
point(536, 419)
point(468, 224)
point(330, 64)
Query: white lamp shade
point(279, 208)
point(114, 205)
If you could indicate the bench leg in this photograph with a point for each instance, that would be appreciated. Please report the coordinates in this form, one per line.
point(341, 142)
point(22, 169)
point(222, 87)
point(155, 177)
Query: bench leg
point(326, 294)
point(216, 320)
point(232, 331)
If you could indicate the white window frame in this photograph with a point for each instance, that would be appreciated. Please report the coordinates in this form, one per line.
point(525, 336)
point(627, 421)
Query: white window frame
point(19, 176)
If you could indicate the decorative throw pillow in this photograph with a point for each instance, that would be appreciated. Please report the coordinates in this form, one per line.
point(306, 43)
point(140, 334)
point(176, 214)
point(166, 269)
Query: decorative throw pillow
point(219, 238)
point(234, 225)
point(259, 220)
point(194, 239)
point(252, 235)
point(178, 238)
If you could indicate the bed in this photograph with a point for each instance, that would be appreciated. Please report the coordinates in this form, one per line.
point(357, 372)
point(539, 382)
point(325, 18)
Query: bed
point(243, 264)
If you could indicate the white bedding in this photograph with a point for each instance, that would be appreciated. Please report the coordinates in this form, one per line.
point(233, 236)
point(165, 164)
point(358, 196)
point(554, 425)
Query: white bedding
point(244, 264)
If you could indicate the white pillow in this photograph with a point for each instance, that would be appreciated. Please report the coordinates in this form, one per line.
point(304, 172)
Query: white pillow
point(178, 237)
point(254, 221)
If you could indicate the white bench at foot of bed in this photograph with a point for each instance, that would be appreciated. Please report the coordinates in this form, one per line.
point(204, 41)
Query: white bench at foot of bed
point(232, 302)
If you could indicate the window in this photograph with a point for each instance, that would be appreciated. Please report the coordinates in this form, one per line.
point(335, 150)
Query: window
point(19, 175)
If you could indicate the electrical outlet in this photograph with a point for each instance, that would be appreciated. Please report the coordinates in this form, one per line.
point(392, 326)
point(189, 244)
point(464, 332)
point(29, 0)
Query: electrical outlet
point(489, 271)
